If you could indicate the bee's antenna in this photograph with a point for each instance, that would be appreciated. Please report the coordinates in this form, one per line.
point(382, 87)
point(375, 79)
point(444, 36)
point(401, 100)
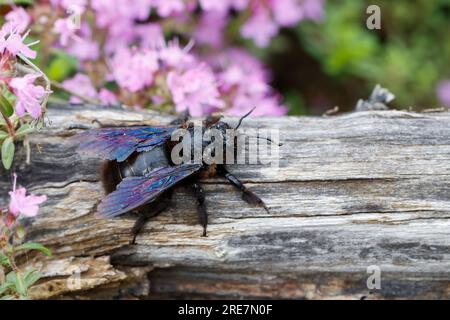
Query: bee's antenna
point(243, 117)
point(264, 138)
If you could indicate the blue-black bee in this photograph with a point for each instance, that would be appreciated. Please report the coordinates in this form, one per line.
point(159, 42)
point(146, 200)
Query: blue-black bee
point(139, 174)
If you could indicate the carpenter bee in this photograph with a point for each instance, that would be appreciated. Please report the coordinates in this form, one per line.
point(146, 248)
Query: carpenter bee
point(138, 174)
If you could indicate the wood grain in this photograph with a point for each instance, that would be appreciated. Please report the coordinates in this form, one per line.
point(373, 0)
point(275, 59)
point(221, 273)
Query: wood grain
point(351, 191)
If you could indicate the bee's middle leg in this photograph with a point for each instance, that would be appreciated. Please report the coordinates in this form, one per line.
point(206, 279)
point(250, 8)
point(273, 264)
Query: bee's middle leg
point(149, 212)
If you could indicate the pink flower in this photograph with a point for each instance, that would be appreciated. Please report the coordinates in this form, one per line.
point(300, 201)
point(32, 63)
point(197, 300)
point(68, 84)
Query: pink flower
point(133, 69)
point(266, 106)
point(151, 35)
point(81, 84)
point(68, 4)
point(443, 92)
point(17, 19)
point(287, 12)
point(270, 106)
point(194, 90)
point(174, 56)
point(12, 42)
point(165, 8)
point(119, 13)
point(20, 203)
point(157, 100)
point(66, 28)
point(107, 11)
point(215, 5)
point(140, 9)
point(233, 75)
point(313, 9)
point(28, 95)
point(210, 29)
point(243, 74)
point(84, 49)
point(107, 97)
point(239, 4)
point(245, 84)
point(121, 35)
point(260, 28)
point(223, 5)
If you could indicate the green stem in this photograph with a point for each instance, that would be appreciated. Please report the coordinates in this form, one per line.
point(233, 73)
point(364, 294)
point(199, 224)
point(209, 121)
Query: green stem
point(9, 125)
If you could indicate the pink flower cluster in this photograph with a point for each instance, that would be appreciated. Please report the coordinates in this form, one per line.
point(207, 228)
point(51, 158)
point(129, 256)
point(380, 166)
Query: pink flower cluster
point(194, 89)
point(265, 17)
point(244, 82)
point(82, 84)
point(28, 95)
point(120, 44)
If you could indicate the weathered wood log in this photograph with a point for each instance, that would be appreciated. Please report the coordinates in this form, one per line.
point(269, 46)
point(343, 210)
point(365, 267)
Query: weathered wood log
point(351, 191)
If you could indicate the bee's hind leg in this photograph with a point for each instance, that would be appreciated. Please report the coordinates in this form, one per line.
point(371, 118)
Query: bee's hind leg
point(247, 195)
point(201, 208)
point(150, 211)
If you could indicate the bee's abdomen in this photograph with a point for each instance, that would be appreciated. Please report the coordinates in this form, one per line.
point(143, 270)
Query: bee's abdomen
point(142, 163)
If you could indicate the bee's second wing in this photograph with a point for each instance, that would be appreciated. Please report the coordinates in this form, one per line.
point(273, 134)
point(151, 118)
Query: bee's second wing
point(134, 192)
point(119, 143)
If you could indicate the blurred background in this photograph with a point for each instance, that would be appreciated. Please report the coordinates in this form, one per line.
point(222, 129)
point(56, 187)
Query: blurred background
point(338, 60)
point(316, 54)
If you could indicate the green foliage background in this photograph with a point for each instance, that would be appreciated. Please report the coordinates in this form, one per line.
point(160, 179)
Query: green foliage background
point(409, 55)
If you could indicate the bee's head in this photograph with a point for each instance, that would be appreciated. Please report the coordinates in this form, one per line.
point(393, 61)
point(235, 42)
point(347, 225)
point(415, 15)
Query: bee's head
point(223, 127)
point(213, 122)
point(228, 138)
point(228, 133)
